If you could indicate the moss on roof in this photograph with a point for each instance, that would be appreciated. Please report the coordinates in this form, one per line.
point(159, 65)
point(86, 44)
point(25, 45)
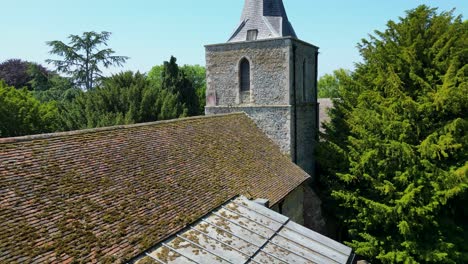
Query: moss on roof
point(106, 195)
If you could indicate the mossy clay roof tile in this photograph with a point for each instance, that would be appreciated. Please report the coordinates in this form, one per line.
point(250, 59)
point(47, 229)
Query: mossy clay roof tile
point(106, 195)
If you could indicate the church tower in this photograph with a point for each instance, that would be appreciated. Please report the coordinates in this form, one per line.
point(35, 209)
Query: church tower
point(265, 71)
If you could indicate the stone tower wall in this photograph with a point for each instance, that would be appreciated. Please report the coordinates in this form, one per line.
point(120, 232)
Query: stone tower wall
point(281, 101)
point(304, 105)
point(268, 102)
point(274, 121)
point(269, 74)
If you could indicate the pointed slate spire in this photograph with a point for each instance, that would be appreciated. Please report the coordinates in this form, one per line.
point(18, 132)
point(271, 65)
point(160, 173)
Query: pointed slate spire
point(263, 19)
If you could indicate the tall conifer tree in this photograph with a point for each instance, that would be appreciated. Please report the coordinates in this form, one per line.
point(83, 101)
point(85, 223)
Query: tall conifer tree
point(396, 150)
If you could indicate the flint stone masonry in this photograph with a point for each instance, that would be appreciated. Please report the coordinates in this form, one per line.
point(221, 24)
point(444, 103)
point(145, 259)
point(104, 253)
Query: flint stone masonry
point(305, 54)
point(306, 125)
point(273, 120)
point(282, 99)
point(269, 64)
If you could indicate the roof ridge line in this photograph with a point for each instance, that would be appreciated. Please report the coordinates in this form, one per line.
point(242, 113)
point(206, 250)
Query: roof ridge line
point(10, 140)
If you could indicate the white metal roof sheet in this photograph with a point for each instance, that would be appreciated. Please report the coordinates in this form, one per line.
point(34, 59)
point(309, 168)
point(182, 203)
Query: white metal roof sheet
point(245, 232)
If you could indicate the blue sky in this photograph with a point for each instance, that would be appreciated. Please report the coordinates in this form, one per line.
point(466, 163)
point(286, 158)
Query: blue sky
point(150, 31)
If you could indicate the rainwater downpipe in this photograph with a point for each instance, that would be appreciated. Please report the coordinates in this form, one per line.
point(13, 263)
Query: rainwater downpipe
point(295, 104)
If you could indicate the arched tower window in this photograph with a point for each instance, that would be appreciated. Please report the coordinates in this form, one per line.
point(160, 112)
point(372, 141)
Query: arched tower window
point(244, 75)
point(304, 80)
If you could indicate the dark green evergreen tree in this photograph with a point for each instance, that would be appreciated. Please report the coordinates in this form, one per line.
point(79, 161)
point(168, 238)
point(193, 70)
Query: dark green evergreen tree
point(58, 89)
point(395, 156)
point(83, 59)
point(188, 82)
point(175, 81)
point(197, 76)
point(124, 98)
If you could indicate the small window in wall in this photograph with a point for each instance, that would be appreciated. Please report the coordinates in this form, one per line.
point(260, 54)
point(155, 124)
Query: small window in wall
point(252, 34)
point(304, 81)
point(244, 75)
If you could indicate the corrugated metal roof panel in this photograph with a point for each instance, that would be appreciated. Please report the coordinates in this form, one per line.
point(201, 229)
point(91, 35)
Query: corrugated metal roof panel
point(244, 232)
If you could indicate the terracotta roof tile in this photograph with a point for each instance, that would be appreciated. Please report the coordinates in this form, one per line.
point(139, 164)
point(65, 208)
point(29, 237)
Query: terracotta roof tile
point(106, 195)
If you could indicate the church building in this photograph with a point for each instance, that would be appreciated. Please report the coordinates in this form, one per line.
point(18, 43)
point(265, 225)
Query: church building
point(229, 187)
point(265, 71)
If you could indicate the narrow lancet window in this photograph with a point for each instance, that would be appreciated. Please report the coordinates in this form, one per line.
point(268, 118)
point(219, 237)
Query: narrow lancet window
point(304, 81)
point(244, 75)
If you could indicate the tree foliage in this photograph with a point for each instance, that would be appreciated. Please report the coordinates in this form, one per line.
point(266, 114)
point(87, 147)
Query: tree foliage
point(57, 89)
point(124, 98)
point(188, 82)
point(14, 72)
point(21, 114)
point(197, 76)
point(395, 156)
point(20, 74)
point(83, 58)
point(330, 84)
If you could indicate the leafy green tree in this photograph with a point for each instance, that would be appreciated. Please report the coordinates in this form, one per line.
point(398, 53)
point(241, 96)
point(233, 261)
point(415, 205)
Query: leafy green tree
point(21, 114)
point(329, 84)
point(124, 98)
point(395, 156)
point(188, 82)
point(83, 58)
point(197, 76)
point(155, 74)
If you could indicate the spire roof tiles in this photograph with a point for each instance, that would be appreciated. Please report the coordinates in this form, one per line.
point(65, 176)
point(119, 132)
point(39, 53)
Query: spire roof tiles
point(267, 17)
